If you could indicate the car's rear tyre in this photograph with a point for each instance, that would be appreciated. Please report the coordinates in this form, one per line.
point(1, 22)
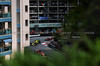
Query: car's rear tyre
point(39, 42)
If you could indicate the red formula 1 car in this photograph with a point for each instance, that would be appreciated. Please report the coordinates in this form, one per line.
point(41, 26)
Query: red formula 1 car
point(48, 39)
point(39, 52)
point(51, 38)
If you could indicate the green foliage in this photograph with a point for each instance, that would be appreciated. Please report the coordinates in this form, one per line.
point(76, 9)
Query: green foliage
point(81, 53)
point(84, 18)
point(71, 56)
point(79, 56)
point(91, 21)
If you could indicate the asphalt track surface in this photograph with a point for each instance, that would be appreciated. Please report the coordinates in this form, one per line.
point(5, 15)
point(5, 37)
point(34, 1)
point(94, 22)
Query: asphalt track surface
point(48, 51)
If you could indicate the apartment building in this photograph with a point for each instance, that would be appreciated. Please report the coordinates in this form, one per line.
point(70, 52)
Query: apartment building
point(47, 15)
point(14, 27)
point(15, 16)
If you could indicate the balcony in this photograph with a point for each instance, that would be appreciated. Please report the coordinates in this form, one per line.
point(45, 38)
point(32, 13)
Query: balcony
point(43, 10)
point(34, 11)
point(33, 17)
point(61, 16)
point(6, 53)
point(7, 40)
point(33, 3)
point(62, 3)
point(41, 3)
point(43, 18)
point(53, 11)
point(63, 11)
point(53, 3)
point(5, 36)
point(5, 19)
point(5, 2)
point(5, 47)
point(4, 32)
point(46, 24)
point(5, 15)
point(53, 17)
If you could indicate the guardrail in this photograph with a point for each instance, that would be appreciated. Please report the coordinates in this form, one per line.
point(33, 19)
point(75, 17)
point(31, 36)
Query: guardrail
point(34, 33)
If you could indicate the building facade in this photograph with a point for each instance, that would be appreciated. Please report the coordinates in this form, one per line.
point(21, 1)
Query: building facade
point(47, 15)
point(19, 17)
point(14, 27)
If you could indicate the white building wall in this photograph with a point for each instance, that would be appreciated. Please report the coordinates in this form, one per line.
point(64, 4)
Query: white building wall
point(7, 57)
point(18, 4)
point(14, 26)
point(19, 18)
point(24, 29)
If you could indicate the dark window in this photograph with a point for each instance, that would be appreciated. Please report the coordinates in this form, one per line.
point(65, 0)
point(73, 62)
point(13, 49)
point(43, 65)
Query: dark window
point(26, 22)
point(1, 44)
point(1, 26)
point(26, 8)
point(26, 36)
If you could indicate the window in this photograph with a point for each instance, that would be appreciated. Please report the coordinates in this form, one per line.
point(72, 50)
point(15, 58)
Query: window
point(26, 36)
point(26, 8)
point(1, 26)
point(1, 44)
point(26, 22)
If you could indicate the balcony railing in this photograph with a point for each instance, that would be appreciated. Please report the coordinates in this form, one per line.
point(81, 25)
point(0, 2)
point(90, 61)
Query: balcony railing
point(5, 15)
point(5, 0)
point(43, 18)
point(62, 3)
point(5, 19)
point(5, 49)
point(53, 11)
point(4, 32)
point(5, 36)
point(54, 4)
point(33, 4)
point(6, 53)
point(34, 17)
point(33, 11)
point(43, 4)
point(53, 17)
